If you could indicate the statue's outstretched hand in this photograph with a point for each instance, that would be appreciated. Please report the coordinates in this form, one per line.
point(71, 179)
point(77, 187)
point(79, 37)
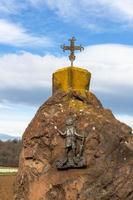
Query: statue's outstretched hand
point(55, 127)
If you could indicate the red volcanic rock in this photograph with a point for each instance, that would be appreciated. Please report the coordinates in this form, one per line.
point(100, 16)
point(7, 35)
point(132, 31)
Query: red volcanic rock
point(108, 152)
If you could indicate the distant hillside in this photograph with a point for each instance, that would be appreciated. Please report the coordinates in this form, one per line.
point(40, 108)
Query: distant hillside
point(9, 152)
point(5, 137)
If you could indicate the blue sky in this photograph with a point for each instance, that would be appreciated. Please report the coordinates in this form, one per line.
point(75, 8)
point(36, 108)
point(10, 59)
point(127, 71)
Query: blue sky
point(31, 32)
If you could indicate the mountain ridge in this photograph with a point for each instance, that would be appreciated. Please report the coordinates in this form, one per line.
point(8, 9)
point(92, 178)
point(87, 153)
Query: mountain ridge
point(5, 137)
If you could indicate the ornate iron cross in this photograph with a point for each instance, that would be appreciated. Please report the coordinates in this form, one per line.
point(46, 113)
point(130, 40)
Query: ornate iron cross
point(72, 48)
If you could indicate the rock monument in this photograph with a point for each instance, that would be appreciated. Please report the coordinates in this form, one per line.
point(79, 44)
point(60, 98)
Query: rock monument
point(74, 149)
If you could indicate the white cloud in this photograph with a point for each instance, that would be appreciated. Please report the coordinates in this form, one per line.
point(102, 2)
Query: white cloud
point(128, 119)
point(16, 35)
point(125, 8)
point(110, 65)
point(15, 118)
point(36, 2)
point(8, 6)
point(27, 70)
point(92, 14)
point(4, 106)
point(97, 15)
point(13, 127)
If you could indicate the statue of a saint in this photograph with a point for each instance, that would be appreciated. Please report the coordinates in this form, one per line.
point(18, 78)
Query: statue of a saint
point(72, 157)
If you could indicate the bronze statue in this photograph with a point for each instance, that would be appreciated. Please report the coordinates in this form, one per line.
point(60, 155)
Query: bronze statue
point(73, 159)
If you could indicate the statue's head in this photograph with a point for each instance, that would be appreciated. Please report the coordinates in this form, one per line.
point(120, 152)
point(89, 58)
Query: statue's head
point(69, 121)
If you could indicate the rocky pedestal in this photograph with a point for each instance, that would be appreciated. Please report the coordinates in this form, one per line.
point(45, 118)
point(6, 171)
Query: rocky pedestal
point(108, 152)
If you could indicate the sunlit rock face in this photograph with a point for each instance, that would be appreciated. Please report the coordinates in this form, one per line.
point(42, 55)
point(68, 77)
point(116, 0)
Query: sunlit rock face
point(108, 151)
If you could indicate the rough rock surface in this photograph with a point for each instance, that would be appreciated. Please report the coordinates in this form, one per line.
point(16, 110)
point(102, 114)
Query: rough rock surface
point(108, 152)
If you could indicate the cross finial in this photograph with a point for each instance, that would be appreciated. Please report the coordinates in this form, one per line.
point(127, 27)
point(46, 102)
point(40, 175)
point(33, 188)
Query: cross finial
point(72, 48)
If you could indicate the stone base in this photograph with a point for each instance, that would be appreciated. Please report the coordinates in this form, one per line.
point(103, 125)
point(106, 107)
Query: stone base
point(71, 164)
